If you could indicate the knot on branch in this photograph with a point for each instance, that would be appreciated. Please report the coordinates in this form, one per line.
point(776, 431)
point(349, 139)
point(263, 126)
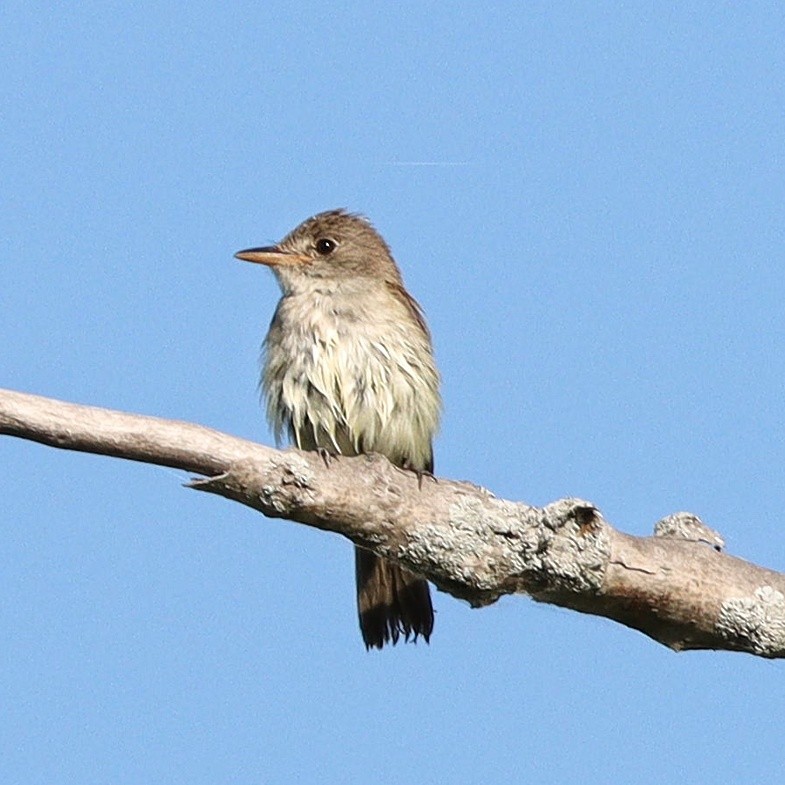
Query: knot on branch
point(686, 526)
point(572, 550)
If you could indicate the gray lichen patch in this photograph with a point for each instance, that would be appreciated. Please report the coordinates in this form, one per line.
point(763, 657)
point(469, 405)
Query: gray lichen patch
point(270, 497)
point(758, 620)
point(296, 471)
point(505, 547)
point(480, 541)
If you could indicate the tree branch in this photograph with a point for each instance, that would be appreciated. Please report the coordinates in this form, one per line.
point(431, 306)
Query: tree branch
point(676, 587)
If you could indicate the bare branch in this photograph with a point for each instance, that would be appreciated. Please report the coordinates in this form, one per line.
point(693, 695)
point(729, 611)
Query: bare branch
point(677, 587)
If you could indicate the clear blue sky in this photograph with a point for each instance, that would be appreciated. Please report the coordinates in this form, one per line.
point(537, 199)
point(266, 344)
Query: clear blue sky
point(598, 244)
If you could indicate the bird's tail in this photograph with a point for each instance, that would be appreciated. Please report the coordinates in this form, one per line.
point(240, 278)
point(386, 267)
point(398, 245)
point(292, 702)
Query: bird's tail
point(391, 601)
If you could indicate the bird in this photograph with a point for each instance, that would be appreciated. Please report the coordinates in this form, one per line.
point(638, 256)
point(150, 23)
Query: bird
point(348, 369)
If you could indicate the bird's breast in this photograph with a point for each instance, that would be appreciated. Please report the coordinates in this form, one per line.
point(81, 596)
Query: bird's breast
point(351, 376)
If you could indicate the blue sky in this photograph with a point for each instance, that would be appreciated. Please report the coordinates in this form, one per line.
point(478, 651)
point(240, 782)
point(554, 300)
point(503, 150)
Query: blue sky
point(598, 246)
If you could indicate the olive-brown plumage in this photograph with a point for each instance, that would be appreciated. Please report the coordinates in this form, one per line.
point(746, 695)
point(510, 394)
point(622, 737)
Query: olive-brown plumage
point(349, 368)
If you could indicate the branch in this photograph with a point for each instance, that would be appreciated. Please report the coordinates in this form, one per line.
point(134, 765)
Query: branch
point(676, 587)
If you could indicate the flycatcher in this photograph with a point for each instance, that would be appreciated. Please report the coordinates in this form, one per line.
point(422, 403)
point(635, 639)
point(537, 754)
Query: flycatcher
point(349, 369)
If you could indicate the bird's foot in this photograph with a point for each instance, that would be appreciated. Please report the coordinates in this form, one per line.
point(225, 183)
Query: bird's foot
point(327, 456)
point(420, 474)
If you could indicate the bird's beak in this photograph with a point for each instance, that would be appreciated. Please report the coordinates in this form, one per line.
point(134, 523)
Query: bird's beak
point(270, 255)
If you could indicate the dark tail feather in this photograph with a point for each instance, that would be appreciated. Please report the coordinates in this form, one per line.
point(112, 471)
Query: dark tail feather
point(391, 601)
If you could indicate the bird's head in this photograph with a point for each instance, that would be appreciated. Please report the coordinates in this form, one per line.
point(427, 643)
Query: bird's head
point(331, 246)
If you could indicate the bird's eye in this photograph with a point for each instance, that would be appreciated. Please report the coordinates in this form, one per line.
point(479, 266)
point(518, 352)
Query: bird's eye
point(325, 246)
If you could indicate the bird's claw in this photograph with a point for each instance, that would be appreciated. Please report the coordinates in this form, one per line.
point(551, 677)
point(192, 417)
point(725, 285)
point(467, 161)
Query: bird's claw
point(420, 474)
point(327, 456)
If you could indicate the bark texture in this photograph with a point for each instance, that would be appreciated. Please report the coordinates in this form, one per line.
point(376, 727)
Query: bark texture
point(677, 586)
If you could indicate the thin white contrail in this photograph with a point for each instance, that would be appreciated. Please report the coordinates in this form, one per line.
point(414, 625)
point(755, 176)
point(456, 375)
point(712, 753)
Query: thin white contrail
point(427, 163)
